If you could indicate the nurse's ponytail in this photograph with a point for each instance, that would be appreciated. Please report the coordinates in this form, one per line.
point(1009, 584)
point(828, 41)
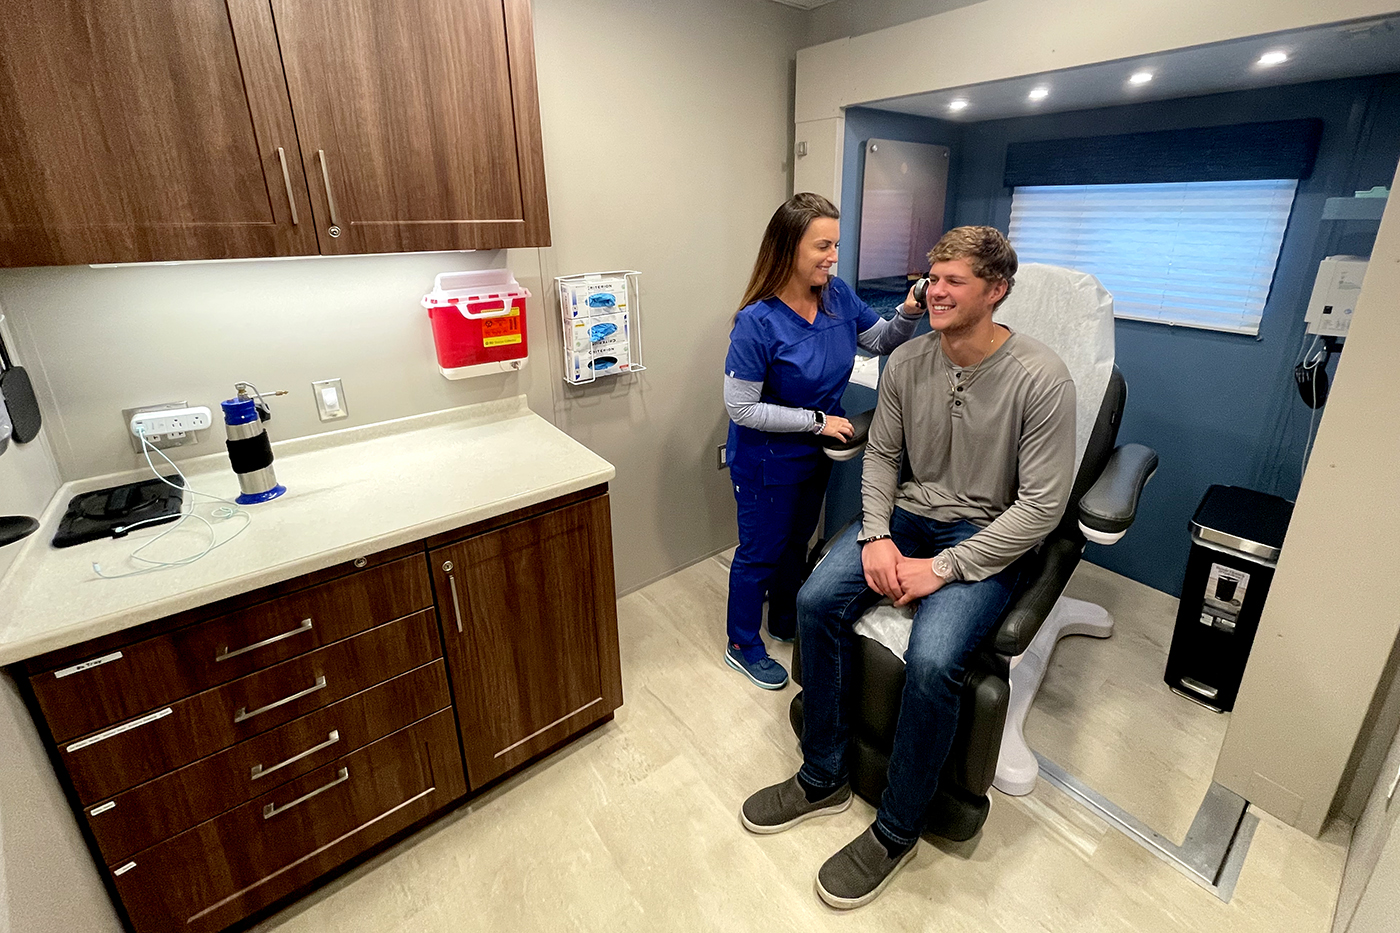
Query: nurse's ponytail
point(777, 254)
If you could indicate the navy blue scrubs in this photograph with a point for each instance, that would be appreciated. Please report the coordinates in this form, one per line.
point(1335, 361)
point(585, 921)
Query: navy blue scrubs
point(779, 478)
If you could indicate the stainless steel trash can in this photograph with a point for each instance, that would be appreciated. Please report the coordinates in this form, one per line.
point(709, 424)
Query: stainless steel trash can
point(1236, 536)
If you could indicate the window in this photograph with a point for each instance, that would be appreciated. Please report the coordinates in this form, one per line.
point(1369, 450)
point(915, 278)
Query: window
point(1195, 254)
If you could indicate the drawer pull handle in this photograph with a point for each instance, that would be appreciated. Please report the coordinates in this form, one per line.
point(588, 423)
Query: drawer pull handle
point(243, 714)
point(330, 198)
point(224, 654)
point(287, 180)
point(259, 771)
point(456, 604)
point(273, 809)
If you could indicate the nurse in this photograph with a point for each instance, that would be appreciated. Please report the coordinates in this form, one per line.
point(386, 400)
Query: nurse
point(791, 352)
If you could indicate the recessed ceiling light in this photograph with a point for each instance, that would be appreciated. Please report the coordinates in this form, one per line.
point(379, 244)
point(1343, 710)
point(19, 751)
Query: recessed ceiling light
point(1141, 77)
point(1273, 58)
point(958, 104)
point(1039, 93)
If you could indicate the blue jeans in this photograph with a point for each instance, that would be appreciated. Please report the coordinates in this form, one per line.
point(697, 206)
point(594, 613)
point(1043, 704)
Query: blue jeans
point(775, 524)
point(948, 626)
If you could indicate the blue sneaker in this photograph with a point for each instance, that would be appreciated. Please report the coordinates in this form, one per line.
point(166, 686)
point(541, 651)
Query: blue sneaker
point(765, 672)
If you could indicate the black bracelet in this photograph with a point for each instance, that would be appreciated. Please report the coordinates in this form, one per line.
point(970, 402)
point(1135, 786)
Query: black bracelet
point(864, 541)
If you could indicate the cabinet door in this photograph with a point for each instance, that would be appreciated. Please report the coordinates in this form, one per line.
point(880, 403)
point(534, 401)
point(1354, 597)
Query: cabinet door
point(133, 131)
point(418, 121)
point(529, 615)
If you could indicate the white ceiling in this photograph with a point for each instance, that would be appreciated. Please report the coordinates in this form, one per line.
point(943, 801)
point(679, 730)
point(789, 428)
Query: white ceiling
point(1365, 47)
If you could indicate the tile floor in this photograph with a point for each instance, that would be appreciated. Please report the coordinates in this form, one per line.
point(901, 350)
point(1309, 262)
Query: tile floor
point(635, 826)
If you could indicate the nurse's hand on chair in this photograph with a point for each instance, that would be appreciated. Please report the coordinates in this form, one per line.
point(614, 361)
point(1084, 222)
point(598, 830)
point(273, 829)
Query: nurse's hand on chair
point(879, 559)
point(839, 427)
point(916, 579)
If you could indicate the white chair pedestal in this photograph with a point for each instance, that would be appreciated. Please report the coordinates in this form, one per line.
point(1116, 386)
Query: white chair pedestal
point(1017, 767)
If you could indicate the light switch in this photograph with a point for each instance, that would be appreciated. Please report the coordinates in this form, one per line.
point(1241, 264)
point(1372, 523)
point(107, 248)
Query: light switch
point(330, 399)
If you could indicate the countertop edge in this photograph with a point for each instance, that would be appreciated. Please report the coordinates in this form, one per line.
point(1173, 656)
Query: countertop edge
point(53, 640)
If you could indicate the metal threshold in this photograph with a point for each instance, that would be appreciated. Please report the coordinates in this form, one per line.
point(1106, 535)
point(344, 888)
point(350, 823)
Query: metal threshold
point(1215, 846)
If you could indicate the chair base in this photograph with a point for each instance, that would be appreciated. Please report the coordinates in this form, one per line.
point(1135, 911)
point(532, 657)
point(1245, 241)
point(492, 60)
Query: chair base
point(1017, 767)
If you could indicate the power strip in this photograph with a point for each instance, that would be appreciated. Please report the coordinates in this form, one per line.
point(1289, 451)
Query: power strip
point(171, 421)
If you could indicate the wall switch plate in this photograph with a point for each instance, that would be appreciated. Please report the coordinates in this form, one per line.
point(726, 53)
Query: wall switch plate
point(158, 441)
point(330, 399)
point(722, 456)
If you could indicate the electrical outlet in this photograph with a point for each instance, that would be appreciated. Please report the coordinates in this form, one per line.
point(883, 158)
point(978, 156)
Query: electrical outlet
point(723, 457)
point(161, 441)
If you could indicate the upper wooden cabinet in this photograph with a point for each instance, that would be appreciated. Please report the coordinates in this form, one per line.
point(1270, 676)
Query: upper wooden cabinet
point(135, 130)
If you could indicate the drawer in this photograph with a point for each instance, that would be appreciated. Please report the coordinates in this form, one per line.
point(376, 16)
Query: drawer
point(116, 685)
point(222, 870)
point(164, 739)
point(170, 804)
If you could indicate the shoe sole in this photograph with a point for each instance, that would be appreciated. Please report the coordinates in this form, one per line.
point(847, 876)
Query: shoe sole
point(850, 903)
point(779, 827)
point(739, 667)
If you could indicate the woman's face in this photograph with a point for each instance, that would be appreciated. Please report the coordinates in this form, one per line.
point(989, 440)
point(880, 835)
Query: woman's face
point(816, 254)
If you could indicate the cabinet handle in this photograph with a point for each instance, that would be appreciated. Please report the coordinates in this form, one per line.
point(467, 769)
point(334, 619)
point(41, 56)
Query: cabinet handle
point(456, 604)
point(259, 771)
point(330, 198)
point(272, 809)
point(224, 654)
point(243, 715)
point(287, 180)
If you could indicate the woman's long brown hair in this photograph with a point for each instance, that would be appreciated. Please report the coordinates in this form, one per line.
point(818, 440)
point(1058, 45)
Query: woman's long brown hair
point(777, 254)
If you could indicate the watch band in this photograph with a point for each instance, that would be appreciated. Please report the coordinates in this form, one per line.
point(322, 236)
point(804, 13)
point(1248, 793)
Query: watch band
point(821, 421)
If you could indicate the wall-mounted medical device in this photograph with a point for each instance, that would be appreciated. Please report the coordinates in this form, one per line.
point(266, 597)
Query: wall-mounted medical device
point(1334, 295)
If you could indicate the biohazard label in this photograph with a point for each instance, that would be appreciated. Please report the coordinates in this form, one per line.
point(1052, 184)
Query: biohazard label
point(501, 331)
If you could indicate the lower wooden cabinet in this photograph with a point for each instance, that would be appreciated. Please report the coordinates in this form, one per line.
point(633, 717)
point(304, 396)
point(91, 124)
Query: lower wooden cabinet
point(355, 710)
point(226, 868)
point(529, 617)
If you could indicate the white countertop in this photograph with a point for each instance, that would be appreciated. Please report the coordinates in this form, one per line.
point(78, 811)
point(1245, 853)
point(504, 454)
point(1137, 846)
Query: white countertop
point(349, 493)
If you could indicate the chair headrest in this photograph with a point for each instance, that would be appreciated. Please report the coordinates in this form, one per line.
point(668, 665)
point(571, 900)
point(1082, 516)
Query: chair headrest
point(1071, 313)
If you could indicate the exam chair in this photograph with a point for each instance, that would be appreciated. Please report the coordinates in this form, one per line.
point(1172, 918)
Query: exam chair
point(1073, 314)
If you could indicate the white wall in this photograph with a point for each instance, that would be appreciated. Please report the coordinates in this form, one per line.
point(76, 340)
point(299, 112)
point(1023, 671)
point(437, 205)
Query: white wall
point(856, 17)
point(1331, 621)
point(48, 881)
point(666, 155)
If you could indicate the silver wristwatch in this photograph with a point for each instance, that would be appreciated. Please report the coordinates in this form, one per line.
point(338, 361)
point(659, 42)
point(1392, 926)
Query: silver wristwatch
point(943, 566)
point(821, 421)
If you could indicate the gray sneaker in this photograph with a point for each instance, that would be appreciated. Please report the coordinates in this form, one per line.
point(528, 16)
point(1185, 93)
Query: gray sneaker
point(784, 805)
point(857, 874)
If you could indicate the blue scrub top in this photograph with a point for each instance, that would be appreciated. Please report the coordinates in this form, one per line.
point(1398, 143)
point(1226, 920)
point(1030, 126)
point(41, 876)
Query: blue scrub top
point(801, 365)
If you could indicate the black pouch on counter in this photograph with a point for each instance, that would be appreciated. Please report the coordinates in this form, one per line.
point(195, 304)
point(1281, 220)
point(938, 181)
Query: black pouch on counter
point(110, 513)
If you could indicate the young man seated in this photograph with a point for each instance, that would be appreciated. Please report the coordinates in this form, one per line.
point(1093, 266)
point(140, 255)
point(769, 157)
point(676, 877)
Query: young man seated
point(986, 419)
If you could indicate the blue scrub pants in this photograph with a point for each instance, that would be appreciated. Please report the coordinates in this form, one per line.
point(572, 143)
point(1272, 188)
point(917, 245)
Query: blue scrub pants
point(775, 524)
point(948, 626)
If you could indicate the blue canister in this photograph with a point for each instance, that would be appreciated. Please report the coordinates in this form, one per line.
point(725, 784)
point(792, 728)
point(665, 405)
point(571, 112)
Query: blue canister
point(250, 451)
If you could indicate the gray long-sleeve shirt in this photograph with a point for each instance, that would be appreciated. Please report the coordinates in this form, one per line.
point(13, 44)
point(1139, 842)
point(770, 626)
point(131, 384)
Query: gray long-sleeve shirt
point(742, 398)
point(998, 452)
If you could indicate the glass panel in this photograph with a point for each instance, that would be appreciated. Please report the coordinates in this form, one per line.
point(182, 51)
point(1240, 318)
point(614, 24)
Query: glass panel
point(901, 217)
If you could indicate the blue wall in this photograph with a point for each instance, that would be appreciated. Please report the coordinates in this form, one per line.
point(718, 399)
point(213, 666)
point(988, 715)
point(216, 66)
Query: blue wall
point(1218, 408)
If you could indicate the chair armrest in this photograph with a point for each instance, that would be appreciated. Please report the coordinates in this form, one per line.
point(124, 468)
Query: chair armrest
point(1045, 573)
point(847, 450)
point(1110, 505)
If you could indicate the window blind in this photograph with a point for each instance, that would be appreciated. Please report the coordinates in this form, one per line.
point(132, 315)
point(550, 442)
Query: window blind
point(1194, 254)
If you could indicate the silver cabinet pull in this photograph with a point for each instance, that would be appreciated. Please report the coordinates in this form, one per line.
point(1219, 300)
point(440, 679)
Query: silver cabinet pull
point(224, 654)
point(243, 715)
point(259, 771)
point(456, 604)
point(287, 180)
point(330, 198)
point(272, 809)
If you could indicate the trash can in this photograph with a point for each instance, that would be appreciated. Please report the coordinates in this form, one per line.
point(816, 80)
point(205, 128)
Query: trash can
point(1236, 536)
